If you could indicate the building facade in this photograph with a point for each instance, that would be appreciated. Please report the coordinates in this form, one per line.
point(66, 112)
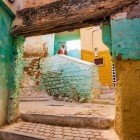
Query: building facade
point(93, 50)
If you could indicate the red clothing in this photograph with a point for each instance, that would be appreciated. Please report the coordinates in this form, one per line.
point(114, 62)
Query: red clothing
point(61, 51)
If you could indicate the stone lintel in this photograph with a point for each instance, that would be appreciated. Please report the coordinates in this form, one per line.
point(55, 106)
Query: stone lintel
point(60, 15)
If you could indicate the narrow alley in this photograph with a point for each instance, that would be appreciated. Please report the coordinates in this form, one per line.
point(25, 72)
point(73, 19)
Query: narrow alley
point(70, 70)
point(45, 118)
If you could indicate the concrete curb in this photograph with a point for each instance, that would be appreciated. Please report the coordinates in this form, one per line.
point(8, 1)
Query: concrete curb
point(69, 121)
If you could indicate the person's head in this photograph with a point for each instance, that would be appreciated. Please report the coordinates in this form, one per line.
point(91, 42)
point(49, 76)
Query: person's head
point(63, 46)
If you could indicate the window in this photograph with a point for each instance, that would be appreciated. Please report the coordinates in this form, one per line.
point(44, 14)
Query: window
point(98, 61)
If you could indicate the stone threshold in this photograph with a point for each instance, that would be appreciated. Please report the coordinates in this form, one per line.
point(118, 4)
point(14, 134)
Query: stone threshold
point(69, 120)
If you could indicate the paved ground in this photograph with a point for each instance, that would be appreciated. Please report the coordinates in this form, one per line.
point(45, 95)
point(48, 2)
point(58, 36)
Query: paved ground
point(49, 132)
point(62, 108)
point(53, 107)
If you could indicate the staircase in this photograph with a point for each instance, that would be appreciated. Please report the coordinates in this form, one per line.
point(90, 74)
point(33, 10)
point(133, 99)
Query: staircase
point(55, 120)
point(59, 127)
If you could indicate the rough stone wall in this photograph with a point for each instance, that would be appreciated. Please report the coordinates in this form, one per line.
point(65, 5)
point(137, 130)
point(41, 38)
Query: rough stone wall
point(21, 4)
point(34, 47)
point(14, 7)
point(127, 118)
point(31, 81)
point(32, 3)
point(70, 79)
point(34, 51)
point(45, 19)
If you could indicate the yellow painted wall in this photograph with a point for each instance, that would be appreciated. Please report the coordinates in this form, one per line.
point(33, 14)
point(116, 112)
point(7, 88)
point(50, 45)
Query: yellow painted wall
point(92, 38)
point(127, 120)
point(105, 71)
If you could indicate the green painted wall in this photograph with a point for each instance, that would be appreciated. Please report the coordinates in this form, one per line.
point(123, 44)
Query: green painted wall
point(16, 72)
point(126, 38)
point(10, 67)
point(122, 37)
point(69, 77)
point(106, 36)
point(64, 37)
point(5, 59)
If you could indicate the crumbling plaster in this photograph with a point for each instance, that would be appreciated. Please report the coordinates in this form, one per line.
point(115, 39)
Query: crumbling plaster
point(11, 68)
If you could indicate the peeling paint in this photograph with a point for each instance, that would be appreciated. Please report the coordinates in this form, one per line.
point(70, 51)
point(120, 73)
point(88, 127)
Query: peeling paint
point(126, 38)
point(15, 79)
point(10, 67)
point(5, 53)
point(122, 36)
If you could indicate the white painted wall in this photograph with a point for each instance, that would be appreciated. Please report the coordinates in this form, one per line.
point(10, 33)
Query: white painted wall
point(49, 39)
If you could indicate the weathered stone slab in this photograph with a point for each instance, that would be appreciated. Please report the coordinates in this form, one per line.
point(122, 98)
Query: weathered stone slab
point(60, 15)
point(69, 121)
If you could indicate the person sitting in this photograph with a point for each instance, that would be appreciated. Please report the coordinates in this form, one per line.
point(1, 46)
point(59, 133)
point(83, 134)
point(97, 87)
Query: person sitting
point(62, 50)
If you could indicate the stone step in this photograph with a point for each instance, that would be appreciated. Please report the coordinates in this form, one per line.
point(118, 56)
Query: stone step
point(34, 131)
point(68, 120)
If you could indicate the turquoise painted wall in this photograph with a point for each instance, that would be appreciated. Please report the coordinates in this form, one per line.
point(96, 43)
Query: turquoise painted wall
point(64, 37)
point(5, 60)
point(122, 36)
point(106, 36)
point(10, 67)
point(69, 77)
point(126, 38)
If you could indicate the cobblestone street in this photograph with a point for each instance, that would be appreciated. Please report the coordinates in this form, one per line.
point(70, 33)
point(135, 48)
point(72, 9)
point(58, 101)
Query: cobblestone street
point(53, 107)
point(49, 132)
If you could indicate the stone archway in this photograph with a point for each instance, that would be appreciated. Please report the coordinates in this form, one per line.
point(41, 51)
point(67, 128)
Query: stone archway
point(123, 34)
